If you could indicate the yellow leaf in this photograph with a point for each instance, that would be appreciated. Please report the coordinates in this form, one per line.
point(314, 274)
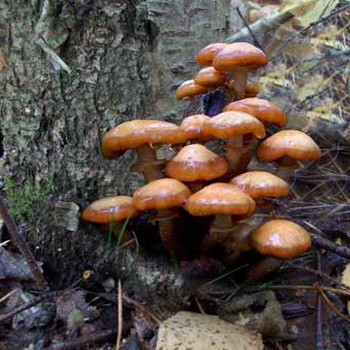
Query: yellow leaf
point(308, 11)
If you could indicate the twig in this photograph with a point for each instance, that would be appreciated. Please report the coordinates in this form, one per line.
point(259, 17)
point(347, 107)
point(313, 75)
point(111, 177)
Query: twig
point(84, 341)
point(326, 243)
point(143, 309)
point(319, 333)
point(6, 296)
point(262, 25)
point(120, 315)
point(26, 305)
point(199, 305)
point(246, 24)
point(22, 246)
point(330, 304)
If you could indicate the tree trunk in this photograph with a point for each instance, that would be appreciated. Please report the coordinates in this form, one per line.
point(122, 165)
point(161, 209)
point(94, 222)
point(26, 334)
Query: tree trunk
point(69, 71)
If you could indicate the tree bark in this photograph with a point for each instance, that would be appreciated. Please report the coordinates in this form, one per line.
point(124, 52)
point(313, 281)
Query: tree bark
point(69, 71)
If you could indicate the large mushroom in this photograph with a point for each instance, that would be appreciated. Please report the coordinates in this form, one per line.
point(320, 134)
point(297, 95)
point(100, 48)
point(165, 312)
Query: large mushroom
point(164, 196)
point(142, 136)
point(286, 148)
point(224, 201)
point(239, 59)
point(195, 165)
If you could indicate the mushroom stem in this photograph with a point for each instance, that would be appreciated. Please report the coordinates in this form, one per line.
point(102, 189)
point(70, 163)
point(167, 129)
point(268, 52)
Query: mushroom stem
point(169, 225)
point(147, 163)
point(239, 83)
point(263, 268)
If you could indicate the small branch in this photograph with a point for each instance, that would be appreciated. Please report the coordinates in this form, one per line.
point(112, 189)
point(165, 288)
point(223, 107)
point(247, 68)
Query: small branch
point(120, 315)
point(325, 243)
point(22, 246)
point(330, 304)
point(83, 342)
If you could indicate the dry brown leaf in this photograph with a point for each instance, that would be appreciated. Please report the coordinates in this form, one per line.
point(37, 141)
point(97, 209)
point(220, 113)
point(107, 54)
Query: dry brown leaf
point(309, 11)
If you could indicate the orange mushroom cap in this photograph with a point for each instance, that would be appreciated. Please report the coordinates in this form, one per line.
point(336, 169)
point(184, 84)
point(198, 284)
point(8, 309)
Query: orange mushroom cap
point(259, 184)
point(193, 126)
point(190, 89)
point(219, 199)
point(294, 144)
point(230, 124)
point(210, 77)
point(135, 133)
point(261, 109)
point(195, 163)
point(161, 194)
point(206, 55)
point(110, 209)
point(280, 239)
point(239, 55)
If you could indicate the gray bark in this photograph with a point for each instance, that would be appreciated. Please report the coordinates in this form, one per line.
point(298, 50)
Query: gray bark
point(115, 61)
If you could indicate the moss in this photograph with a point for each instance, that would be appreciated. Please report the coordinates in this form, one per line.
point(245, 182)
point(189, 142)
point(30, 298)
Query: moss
point(24, 199)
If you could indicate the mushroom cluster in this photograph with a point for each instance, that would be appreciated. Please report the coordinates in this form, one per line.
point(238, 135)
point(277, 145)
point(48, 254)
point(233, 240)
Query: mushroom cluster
point(224, 187)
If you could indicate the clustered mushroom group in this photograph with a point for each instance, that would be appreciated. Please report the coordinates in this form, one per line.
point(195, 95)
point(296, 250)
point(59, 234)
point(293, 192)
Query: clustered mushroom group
point(205, 184)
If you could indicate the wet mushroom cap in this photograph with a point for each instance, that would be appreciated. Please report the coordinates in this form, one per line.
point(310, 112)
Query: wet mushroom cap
point(210, 77)
point(261, 109)
point(196, 163)
point(280, 239)
point(206, 55)
point(219, 199)
point(161, 194)
point(239, 54)
point(135, 133)
point(193, 127)
point(230, 124)
point(259, 184)
point(190, 89)
point(294, 144)
point(110, 209)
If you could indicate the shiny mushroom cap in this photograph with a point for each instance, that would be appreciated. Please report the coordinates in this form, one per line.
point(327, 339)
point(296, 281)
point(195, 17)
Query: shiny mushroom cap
point(193, 126)
point(293, 144)
point(196, 163)
point(219, 199)
point(161, 194)
point(280, 239)
point(261, 109)
point(189, 89)
point(239, 56)
point(230, 124)
point(259, 184)
point(135, 133)
point(110, 209)
point(210, 77)
point(206, 55)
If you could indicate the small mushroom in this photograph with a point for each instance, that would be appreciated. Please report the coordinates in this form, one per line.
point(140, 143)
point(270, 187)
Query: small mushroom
point(239, 59)
point(261, 184)
point(193, 126)
point(224, 201)
point(142, 135)
point(189, 89)
point(278, 240)
point(265, 111)
point(234, 126)
point(210, 78)
point(206, 55)
point(165, 196)
point(111, 211)
point(286, 148)
point(195, 165)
